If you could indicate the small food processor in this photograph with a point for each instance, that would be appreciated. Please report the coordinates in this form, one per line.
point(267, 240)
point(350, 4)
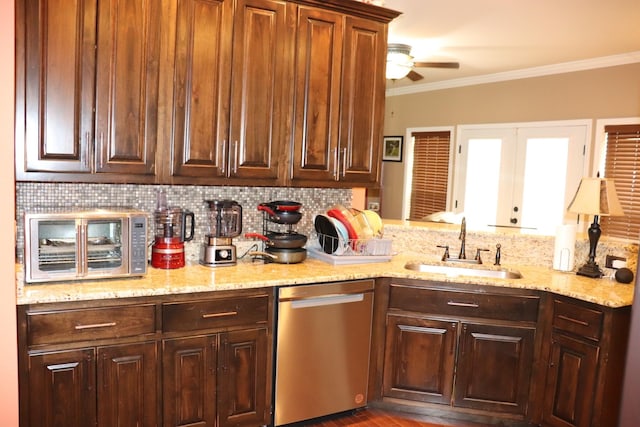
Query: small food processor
point(225, 223)
point(167, 251)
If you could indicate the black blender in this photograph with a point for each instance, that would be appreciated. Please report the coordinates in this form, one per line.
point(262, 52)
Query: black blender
point(225, 223)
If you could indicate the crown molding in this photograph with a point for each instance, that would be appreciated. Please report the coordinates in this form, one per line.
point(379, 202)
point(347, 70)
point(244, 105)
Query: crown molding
point(545, 70)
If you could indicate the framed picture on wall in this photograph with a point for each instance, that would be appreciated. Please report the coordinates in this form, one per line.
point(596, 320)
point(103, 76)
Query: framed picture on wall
point(392, 149)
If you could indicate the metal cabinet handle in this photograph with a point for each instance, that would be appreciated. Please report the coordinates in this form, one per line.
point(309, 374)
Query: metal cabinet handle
point(336, 165)
point(235, 157)
point(572, 320)
point(463, 304)
point(223, 159)
point(222, 314)
point(95, 326)
point(344, 162)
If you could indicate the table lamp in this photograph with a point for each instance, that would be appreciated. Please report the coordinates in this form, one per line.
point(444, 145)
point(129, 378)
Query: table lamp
point(597, 197)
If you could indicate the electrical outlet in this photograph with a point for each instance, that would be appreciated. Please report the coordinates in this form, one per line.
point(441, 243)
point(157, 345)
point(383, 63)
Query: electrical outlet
point(373, 206)
point(615, 262)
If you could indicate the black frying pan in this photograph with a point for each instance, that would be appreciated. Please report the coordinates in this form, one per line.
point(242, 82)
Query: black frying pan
point(283, 256)
point(281, 217)
point(281, 240)
point(284, 205)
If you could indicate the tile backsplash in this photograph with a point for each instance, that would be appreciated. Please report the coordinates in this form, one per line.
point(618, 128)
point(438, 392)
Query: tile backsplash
point(143, 197)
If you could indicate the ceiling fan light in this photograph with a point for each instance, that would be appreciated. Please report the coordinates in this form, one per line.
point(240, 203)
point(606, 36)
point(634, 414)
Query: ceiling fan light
point(397, 71)
point(399, 61)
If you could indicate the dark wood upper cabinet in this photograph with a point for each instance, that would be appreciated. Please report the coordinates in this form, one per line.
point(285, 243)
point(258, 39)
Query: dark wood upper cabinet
point(260, 84)
point(127, 85)
point(211, 92)
point(201, 70)
point(362, 100)
point(87, 93)
point(55, 57)
point(317, 95)
point(230, 111)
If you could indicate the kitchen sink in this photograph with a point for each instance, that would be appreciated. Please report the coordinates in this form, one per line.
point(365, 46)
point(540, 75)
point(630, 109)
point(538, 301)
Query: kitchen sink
point(460, 270)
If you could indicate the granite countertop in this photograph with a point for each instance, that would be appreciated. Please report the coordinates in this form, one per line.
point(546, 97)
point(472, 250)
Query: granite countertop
point(248, 274)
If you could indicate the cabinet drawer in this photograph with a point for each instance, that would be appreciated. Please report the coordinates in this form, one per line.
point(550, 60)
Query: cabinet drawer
point(576, 319)
point(465, 304)
point(195, 315)
point(55, 327)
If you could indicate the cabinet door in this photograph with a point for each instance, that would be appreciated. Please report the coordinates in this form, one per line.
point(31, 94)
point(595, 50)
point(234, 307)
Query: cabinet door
point(127, 385)
point(571, 382)
point(243, 367)
point(317, 95)
point(362, 103)
point(494, 367)
point(261, 77)
point(62, 389)
point(127, 85)
point(58, 44)
point(419, 359)
point(202, 70)
point(189, 381)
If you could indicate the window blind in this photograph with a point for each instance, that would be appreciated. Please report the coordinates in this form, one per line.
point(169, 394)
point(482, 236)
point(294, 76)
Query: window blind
point(430, 173)
point(622, 164)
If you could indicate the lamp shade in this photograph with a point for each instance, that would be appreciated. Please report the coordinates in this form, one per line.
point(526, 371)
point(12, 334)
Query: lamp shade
point(596, 196)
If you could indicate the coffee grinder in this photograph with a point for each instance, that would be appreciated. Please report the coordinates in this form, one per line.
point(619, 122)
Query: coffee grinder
point(225, 223)
point(167, 251)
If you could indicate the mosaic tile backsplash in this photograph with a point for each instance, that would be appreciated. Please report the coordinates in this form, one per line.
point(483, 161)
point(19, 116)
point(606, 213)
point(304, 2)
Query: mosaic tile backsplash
point(143, 197)
point(516, 248)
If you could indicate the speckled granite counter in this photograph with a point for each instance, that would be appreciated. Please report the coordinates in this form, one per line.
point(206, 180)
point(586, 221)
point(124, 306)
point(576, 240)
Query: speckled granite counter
point(247, 274)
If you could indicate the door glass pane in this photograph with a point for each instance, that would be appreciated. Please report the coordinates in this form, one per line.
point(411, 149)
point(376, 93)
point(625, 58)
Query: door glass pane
point(56, 245)
point(104, 244)
point(545, 175)
point(482, 182)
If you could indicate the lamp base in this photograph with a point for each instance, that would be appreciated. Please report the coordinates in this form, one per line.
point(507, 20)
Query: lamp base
point(590, 270)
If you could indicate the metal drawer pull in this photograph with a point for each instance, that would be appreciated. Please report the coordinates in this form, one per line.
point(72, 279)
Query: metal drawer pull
point(223, 314)
point(463, 304)
point(572, 320)
point(95, 325)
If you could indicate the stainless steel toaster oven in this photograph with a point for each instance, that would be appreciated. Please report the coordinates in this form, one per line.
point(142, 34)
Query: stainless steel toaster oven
point(87, 244)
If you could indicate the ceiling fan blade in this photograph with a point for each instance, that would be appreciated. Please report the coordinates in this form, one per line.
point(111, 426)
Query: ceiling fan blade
point(437, 64)
point(413, 76)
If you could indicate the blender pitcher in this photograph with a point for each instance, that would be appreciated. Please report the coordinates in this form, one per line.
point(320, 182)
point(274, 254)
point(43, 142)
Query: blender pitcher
point(225, 223)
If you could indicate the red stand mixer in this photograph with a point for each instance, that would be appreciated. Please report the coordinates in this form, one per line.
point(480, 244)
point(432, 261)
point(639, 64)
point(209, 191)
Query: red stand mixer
point(167, 251)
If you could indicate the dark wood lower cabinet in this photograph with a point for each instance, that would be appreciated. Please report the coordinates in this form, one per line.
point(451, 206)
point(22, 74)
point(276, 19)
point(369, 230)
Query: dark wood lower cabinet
point(494, 367)
point(497, 356)
point(419, 356)
point(571, 379)
point(219, 377)
point(191, 360)
point(113, 386)
point(467, 349)
point(61, 389)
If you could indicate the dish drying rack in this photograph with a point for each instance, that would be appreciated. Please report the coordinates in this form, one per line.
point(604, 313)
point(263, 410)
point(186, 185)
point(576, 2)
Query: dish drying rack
point(354, 251)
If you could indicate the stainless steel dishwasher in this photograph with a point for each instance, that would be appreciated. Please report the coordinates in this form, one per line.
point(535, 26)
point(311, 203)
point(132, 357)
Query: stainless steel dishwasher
point(322, 349)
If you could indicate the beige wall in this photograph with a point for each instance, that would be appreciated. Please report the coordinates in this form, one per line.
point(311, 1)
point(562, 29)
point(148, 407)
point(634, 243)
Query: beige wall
point(612, 92)
point(8, 366)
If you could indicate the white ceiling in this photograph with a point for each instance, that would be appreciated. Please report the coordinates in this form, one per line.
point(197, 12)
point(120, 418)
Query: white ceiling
point(512, 37)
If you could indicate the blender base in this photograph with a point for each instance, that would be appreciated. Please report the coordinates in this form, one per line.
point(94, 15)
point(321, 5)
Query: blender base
point(218, 256)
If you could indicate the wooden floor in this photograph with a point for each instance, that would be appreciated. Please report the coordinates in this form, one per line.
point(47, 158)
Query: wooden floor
point(372, 417)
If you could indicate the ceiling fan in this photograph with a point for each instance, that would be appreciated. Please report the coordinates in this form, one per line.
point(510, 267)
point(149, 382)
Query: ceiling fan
point(400, 63)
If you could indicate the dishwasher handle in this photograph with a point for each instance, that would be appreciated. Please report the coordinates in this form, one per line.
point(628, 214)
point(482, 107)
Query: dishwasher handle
point(326, 300)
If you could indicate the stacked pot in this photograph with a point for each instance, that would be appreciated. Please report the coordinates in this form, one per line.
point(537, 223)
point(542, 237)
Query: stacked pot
point(283, 247)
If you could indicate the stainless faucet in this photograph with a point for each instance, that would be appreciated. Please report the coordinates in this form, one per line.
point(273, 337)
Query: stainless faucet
point(463, 238)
